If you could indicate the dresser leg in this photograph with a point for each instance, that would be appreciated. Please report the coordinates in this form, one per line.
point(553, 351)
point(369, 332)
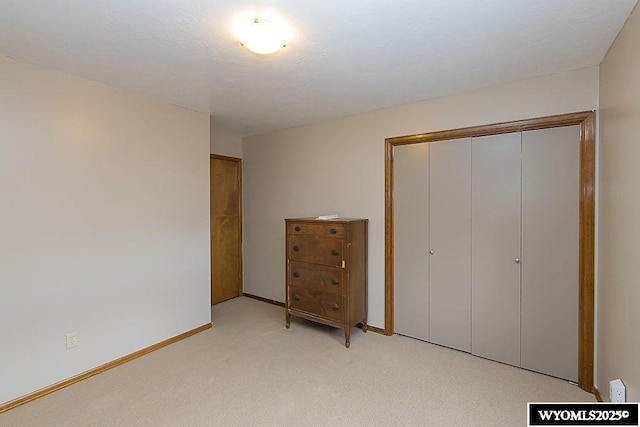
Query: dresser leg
point(347, 336)
point(364, 326)
point(287, 318)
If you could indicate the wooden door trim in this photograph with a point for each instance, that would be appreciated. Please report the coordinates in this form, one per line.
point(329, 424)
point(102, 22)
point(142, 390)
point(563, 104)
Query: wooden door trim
point(221, 157)
point(239, 162)
point(586, 121)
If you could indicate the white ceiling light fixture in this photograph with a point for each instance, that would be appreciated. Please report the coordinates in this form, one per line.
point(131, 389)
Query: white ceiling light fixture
point(261, 36)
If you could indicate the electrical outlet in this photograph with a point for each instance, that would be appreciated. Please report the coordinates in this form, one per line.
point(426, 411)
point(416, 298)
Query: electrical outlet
point(72, 340)
point(617, 392)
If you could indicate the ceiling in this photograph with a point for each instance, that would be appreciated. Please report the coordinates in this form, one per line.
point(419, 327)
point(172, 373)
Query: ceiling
point(345, 56)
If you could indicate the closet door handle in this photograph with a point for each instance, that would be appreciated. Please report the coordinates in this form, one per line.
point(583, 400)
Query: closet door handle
point(517, 260)
point(430, 252)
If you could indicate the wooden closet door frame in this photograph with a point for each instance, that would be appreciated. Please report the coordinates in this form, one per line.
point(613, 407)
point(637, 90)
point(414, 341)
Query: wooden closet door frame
point(586, 121)
point(239, 162)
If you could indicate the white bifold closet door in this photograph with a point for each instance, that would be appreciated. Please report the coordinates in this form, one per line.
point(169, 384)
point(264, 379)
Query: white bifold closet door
point(486, 246)
point(411, 237)
point(550, 227)
point(495, 247)
point(450, 243)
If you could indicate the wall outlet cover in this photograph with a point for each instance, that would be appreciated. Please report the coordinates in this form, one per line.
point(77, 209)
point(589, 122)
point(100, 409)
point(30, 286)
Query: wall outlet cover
point(72, 340)
point(617, 392)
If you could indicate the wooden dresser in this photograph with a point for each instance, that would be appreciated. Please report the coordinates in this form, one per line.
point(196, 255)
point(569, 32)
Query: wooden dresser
point(327, 272)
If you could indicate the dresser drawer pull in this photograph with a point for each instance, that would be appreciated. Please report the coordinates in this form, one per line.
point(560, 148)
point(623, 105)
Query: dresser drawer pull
point(296, 274)
point(333, 231)
point(334, 307)
point(335, 281)
point(297, 228)
point(296, 297)
point(296, 248)
point(335, 252)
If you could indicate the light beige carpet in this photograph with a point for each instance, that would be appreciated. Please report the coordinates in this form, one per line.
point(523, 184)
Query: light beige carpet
point(248, 370)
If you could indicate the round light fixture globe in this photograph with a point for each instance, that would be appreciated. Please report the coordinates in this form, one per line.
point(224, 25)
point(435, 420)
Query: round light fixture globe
point(261, 36)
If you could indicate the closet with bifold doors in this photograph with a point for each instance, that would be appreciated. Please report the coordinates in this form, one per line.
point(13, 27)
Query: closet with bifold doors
point(486, 246)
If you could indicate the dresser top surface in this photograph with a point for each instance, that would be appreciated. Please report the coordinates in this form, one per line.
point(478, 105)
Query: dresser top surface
point(333, 220)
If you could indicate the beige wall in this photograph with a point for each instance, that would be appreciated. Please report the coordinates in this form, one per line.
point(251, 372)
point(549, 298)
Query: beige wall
point(104, 226)
point(338, 167)
point(619, 273)
point(224, 142)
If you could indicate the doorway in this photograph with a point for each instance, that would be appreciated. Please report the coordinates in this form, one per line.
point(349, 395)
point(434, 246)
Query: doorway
point(226, 227)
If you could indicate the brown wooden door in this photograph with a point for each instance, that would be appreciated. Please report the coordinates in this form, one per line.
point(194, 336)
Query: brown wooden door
point(226, 228)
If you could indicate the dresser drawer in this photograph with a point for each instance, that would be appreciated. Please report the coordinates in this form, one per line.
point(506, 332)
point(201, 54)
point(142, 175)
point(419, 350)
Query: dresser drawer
point(318, 303)
point(319, 277)
point(316, 229)
point(316, 250)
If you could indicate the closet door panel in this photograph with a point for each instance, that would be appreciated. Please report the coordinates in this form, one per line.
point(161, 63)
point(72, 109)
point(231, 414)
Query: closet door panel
point(495, 247)
point(411, 238)
point(450, 234)
point(550, 224)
